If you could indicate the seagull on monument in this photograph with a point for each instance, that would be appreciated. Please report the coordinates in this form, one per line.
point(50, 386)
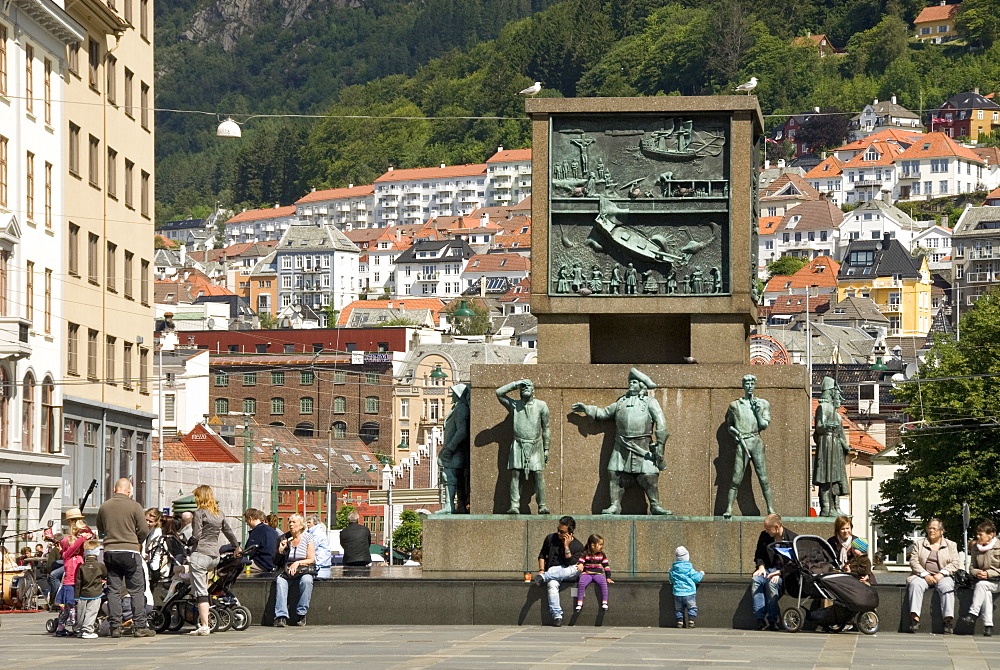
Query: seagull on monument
point(532, 90)
point(748, 86)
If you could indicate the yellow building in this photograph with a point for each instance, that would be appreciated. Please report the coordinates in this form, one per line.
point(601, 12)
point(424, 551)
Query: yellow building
point(108, 225)
point(937, 24)
point(899, 284)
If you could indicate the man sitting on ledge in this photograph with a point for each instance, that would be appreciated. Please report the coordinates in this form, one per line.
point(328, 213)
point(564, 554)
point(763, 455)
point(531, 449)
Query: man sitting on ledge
point(765, 587)
point(557, 563)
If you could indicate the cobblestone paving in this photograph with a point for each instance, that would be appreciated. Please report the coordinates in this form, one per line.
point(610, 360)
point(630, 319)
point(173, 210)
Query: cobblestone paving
point(24, 644)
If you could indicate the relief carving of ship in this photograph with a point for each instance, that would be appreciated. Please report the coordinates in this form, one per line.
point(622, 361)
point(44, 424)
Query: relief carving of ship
point(667, 146)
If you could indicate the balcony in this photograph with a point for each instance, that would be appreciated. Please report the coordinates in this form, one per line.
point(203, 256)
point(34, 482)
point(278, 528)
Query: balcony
point(14, 337)
point(980, 277)
point(891, 308)
point(862, 183)
point(909, 174)
point(429, 277)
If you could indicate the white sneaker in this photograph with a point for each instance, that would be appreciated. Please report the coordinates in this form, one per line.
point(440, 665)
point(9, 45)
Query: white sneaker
point(201, 631)
point(89, 636)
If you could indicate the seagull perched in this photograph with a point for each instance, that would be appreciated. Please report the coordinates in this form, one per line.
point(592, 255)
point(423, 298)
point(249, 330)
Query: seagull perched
point(532, 90)
point(749, 86)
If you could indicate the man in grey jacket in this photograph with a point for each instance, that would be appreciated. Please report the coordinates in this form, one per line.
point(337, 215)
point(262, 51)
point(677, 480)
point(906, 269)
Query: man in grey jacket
point(122, 525)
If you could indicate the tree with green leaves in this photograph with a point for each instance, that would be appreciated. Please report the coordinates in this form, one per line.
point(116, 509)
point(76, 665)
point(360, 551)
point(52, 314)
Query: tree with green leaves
point(409, 533)
point(342, 513)
point(978, 21)
point(952, 454)
point(473, 325)
point(825, 130)
point(267, 321)
point(786, 265)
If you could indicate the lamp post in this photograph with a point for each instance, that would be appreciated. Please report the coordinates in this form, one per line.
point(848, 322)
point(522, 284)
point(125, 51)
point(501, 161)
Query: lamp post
point(274, 472)
point(387, 478)
point(302, 478)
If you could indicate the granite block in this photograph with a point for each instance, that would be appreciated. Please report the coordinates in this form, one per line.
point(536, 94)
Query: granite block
point(714, 546)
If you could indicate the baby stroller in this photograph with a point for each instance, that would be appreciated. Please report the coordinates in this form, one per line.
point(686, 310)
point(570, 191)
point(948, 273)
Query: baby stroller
point(811, 571)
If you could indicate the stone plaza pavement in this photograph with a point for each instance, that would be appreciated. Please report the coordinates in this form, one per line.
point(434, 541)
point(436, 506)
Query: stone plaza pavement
point(24, 644)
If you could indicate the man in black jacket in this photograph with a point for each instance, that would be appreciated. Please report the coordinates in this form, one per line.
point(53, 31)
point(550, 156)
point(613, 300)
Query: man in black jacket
point(264, 538)
point(356, 541)
point(766, 584)
point(557, 563)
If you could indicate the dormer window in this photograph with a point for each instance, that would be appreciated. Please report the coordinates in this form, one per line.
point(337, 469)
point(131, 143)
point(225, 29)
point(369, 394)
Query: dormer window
point(871, 155)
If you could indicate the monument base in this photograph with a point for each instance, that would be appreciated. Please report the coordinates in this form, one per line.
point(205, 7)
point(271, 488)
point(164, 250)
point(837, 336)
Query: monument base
point(634, 544)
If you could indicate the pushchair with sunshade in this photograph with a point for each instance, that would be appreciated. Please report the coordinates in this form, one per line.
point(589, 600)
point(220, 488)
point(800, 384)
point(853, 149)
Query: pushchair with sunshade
point(811, 571)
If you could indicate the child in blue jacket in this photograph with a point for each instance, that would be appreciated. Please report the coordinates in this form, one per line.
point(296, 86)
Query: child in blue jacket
point(685, 580)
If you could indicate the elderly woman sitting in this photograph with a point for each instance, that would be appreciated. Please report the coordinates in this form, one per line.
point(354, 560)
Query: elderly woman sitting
point(984, 552)
point(933, 561)
point(296, 559)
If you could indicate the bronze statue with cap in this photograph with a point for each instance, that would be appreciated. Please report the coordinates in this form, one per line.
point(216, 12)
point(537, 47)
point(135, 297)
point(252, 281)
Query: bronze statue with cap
point(829, 466)
point(641, 431)
point(529, 453)
point(746, 418)
point(453, 458)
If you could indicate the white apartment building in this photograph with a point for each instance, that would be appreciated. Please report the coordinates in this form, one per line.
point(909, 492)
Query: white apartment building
point(433, 268)
point(873, 220)
point(937, 166)
point(317, 266)
point(509, 175)
point(259, 225)
point(34, 36)
point(180, 390)
point(343, 208)
point(937, 240)
point(415, 195)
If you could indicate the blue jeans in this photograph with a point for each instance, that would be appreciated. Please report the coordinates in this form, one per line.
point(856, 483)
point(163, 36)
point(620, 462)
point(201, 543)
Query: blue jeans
point(688, 603)
point(765, 597)
point(281, 595)
point(552, 578)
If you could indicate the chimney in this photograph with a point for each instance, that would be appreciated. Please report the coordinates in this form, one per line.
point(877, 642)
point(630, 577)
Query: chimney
point(976, 90)
point(887, 197)
point(482, 287)
point(886, 238)
point(484, 220)
point(183, 254)
point(442, 166)
point(390, 169)
point(767, 164)
point(313, 190)
point(781, 163)
point(499, 148)
point(350, 186)
point(944, 221)
point(875, 101)
point(894, 100)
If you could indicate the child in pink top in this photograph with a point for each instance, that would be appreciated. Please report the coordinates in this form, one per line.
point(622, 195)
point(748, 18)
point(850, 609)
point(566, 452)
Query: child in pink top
point(594, 568)
point(72, 555)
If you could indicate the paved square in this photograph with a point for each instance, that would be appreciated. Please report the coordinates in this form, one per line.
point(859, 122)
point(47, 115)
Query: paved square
point(24, 644)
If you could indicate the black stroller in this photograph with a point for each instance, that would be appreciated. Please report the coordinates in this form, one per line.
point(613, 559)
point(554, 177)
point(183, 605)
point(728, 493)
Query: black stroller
point(810, 570)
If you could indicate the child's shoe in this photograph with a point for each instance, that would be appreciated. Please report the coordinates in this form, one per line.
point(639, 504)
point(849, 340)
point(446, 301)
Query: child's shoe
point(690, 623)
point(604, 606)
point(680, 623)
point(579, 607)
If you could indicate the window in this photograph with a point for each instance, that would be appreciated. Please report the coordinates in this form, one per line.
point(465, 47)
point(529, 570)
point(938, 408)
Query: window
point(29, 79)
point(306, 377)
point(29, 179)
point(29, 290)
point(249, 406)
point(110, 265)
point(91, 354)
point(3, 60)
point(371, 378)
point(48, 195)
point(221, 379)
point(249, 378)
point(371, 404)
point(404, 408)
point(144, 282)
point(943, 186)
point(73, 253)
point(144, 371)
point(48, 301)
point(28, 412)
point(94, 62)
point(144, 19)
point(73, 58)
point(277, 405)
point(72, 348)
point(144, 193)
point(94, 161)
point(74, 149)
point(169, 407)
point(109, 75)
point(112, 173)
point(47, 91)
point(128, 11)
point(339, 405)
point(221, 406)
point(305, 405)
point(92, 242)
point(129, 183)
point(3, 171)
point(277, 378)
point(339, 429)
point(129, 259)
point(109, 360)
point(129, 77)
point(127, 365)
point(339, 377)
point(144, 105)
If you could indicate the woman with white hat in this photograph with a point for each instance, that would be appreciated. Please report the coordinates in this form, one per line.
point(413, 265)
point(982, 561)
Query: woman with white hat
point(72, 556)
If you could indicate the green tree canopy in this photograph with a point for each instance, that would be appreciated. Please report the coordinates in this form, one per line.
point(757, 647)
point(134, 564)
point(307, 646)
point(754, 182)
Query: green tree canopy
point(786, 265)
point(953, 453)
point(409, 533)
point(342, 513)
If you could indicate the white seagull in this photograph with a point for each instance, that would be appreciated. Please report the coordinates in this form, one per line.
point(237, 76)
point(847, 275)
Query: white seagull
point(532, 90)
point(748, 86)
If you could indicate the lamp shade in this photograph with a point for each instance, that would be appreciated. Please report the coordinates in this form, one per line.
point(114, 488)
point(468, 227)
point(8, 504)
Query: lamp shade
point(879, 365)
point(463, 311)
point(229, 128)
point(438, 373)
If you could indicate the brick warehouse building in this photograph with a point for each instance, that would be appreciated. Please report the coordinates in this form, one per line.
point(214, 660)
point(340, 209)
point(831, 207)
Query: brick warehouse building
point(309, 393)
point(289, 340)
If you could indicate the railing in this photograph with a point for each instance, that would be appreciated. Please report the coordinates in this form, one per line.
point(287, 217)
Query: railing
point(14, 337)
point(890, 307)
point(980, 277)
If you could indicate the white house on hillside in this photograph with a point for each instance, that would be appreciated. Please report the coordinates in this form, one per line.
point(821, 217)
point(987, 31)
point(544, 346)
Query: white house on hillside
point(872, 220)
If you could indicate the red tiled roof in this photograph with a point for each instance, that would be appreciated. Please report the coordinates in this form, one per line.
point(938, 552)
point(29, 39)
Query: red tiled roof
point(269, 213)
point(887, 154)
point(519, 291)
point(994, 194)
point(796, 304)
point(889, 134)
point(936, 145)
point(205, 446)
point(820, 271)
point(510, 155)
point(771, 191)
point(498, 263)
point(766, 225)
point(828, 167)
point(813, 215)
point(989, 154)
point(936, 13)
point(434, 172)
point(433, 304)
point(337, 193)
point(169, 243)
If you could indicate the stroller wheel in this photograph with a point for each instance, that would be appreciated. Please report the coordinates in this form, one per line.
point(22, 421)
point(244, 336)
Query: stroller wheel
point(241, 618)
point(867, 622)
point(225, 619)
point(51, 625)
point(793, 618)
point(158, 620)
point(213, 621)
point(176, 619)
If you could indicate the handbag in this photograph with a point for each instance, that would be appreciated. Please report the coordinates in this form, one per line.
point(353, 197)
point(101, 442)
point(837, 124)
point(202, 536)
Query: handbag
point(307, 569)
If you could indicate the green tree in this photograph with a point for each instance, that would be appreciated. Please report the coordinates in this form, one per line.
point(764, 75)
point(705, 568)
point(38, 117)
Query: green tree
point(953, 454)
point(342, 513)
point(267, 322)
point(473, 325)
point(825, 130)
point(872, 51)
point(978, 22)
point(786, 265)
point(409, 533)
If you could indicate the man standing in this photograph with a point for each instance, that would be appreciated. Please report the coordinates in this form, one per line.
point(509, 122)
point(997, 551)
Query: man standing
point(641, 431)
point(530, 451)
point(122, 524)
point(356, 541)
point(765, 586)
point(829, 466)
point(557, 563)
point(264, 538)
point(746, 418)
point(453, 459)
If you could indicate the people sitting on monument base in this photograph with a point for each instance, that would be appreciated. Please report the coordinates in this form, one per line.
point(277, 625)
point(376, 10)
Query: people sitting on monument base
point(766, 583)
point(557, 563)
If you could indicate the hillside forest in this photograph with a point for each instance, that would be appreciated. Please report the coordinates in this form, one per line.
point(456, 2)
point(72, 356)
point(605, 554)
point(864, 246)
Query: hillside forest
point(408, 84)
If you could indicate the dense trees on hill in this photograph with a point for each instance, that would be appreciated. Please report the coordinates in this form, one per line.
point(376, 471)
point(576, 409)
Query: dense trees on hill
point(468, 58)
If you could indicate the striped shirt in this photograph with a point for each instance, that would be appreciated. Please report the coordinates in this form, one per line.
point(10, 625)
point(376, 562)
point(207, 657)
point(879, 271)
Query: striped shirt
point(595, 564)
